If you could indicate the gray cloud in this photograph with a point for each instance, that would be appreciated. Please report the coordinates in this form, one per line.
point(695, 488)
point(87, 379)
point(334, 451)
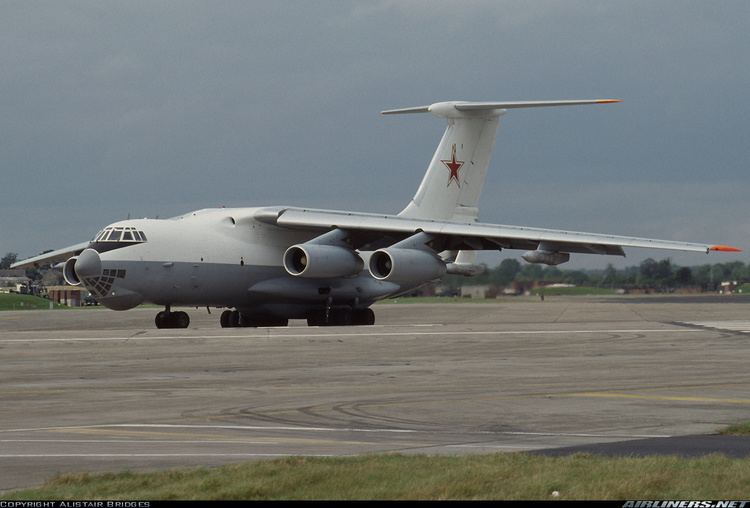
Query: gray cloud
point(157, 108)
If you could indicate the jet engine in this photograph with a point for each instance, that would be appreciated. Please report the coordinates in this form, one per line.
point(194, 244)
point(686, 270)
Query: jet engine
point(69, 272)
point(405, 266)
point(546, 257)
point(321, 261)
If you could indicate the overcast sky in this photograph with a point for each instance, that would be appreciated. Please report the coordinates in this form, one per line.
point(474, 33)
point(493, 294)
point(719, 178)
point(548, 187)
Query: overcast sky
point(156, 108)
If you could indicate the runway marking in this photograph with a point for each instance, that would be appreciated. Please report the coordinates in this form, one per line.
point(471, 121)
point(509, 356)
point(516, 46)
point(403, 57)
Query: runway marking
point(564, 434)
point(150, 434)
point(509, 447)
point(674, 398)
point(354, 335)
point(229, 427)
point(330, 429)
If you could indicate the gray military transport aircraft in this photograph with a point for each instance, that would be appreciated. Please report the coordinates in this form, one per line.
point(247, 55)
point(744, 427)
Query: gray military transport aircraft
point(269, 264)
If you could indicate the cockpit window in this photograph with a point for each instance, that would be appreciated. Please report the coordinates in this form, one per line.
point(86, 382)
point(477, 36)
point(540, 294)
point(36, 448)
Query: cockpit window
point(121, 235)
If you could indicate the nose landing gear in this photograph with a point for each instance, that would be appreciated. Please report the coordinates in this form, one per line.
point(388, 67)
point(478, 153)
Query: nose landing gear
point(168, 319)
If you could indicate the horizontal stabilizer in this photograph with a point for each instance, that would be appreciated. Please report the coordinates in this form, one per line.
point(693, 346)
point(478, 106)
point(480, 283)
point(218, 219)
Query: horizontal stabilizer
point(440, 107)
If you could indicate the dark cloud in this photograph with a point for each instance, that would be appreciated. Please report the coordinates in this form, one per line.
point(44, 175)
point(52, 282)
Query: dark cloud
point(156, 108)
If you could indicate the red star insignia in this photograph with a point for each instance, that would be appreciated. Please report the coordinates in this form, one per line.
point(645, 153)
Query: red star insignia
point(453, 166)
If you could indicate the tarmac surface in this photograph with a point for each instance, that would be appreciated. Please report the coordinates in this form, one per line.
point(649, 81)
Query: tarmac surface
point(98, 390)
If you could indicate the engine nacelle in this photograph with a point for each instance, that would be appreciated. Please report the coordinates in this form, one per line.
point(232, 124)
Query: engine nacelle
point(545, 257)
point(69, 272)
point(321, 261)
point(405, 266)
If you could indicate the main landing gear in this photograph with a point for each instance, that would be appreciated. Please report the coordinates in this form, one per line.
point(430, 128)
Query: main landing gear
point(342, 317)
point(234, 318)
point(169, 319)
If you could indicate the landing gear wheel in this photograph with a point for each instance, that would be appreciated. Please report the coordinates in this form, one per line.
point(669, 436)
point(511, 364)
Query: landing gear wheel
point(316, 318)
point(160, 320)
point(363, 317)
point(166, 319)
point(224, 319)
point(181, 319)
point(271, 321)
point(234, 318)
point(336, 317)
point(340, 317)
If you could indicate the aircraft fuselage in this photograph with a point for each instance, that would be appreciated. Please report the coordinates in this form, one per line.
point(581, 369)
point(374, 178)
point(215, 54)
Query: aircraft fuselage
point(212, 258)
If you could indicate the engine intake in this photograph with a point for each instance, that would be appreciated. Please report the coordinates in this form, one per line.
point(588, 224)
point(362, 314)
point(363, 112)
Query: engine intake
point(69, 272)
point(321, 261)
point(404, 266)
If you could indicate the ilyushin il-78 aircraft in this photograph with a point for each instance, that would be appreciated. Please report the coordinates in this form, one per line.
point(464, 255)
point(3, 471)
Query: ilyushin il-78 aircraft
point(266, 265)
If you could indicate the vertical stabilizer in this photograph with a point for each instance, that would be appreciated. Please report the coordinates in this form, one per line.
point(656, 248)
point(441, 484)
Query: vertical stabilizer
point(452, 185)
point(453, 182)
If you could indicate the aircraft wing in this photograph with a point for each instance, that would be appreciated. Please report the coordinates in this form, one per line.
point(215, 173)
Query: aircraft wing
point(52, 257)
point(369, 228)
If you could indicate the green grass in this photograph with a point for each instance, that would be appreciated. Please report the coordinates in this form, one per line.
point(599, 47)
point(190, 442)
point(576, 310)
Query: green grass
point(14, 301)
point(497, 476)
point(578, 290)
point(739, 429)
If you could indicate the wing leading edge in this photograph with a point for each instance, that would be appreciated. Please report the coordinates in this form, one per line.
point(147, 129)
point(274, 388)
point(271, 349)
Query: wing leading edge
point(477, 235)
point(52, 257)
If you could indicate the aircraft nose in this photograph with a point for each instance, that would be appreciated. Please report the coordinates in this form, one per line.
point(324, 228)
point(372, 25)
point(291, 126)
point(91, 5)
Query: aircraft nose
point(88, 264)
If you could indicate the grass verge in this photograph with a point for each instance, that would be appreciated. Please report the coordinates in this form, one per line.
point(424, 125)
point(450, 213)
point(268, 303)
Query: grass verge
point(498, 476)
point(15, 301)
point(578, 290)
point(738, 429)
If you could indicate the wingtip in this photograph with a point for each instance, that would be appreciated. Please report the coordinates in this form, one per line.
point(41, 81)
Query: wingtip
point(724, 248)
point(608, 101)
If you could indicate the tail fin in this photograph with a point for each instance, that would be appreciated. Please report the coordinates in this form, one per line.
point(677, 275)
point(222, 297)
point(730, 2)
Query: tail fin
point(454, 179)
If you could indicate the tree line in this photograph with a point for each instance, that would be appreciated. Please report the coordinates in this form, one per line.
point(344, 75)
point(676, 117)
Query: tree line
point(651, 274)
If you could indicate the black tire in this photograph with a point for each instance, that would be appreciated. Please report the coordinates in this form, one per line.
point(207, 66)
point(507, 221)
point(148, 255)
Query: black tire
point(160, 320)
point(363, 317)
point(340, 317)
point(234, 318)
point(273, 321)
point(316, 318)
point(181, 319)
point(224, 319)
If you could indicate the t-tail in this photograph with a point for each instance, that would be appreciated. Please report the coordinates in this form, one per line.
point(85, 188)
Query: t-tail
point(452, 185)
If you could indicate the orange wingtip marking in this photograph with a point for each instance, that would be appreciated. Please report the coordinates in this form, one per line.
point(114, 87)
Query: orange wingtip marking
point(608, 101)
point(724, 248)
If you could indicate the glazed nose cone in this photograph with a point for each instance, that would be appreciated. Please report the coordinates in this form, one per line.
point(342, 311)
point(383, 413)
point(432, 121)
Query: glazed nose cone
point(88, 264)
